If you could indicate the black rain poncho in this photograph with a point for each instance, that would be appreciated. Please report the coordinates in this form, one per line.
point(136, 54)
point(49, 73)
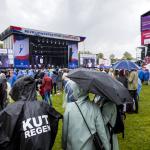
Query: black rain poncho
point(27, 124)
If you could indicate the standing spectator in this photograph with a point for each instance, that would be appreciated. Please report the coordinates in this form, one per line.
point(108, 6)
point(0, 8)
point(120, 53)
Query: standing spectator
point(47, 88)
point(27, 124)
point(3, 93)
point(54, 80)
point(13, 78)
point(41, 90)
point(111, 72)
point(76, 135)
point(116, 74)
point(139, 87)
point(20, 74)
point(65, 73)
point(146, 76)
point(109, 113)
point(132, 86)
point(141, 75)
point(59, 83)
point(31, 73)
point(122, 78)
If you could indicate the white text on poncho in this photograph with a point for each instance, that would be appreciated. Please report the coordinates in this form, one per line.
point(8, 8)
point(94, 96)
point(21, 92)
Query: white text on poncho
point(36, 125)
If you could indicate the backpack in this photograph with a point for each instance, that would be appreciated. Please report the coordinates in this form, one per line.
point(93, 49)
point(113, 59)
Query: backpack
point(119, 124)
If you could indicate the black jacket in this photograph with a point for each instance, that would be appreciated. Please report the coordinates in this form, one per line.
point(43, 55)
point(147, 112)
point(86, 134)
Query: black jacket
point(28, 124)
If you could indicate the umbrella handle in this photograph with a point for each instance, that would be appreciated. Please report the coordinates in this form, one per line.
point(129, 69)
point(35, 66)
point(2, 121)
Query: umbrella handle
point(94, 97)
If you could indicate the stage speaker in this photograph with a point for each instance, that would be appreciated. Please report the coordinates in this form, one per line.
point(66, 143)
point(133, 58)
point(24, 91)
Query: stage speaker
point(70, 54)
point(143, 53)
point(148, 51)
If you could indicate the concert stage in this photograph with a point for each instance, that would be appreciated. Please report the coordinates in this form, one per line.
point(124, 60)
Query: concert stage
point(36, 48)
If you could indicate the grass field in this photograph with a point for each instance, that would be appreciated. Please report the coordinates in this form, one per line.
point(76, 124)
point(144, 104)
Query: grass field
point(137, 126)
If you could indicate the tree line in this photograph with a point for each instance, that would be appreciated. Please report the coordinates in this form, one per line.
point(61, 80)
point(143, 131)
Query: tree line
point(112, 57)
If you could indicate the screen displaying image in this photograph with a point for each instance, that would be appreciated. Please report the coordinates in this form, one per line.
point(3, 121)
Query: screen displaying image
point(88, 60)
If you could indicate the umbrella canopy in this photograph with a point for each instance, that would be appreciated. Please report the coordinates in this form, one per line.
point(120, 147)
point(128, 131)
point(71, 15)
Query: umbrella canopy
point(125, 64)
point(104, 67)
point(100, 83)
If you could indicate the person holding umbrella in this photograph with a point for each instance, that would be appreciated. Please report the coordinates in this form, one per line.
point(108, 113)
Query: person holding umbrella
point(109, 114)
point(82, 119)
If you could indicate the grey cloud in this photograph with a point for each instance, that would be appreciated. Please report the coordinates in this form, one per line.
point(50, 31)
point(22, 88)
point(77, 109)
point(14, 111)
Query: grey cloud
point(112, 26)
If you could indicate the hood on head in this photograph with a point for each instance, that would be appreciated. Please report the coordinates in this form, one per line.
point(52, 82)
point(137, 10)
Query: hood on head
point(24, 89)
point(73, 92)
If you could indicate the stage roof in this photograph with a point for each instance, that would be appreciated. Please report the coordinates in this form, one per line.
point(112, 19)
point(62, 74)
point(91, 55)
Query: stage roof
point(146, 14)
point(32, 32)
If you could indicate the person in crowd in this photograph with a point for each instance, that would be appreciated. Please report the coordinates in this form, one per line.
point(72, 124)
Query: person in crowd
point(27, 124)
point(47, 86)
point(20, 74)
point(3, 93)
point(70, 91)
point(41, 91)
point(55, 79)
point(141, 75)
point(7, 87)
point(111, 72)
point(7, 74)
point(13, 77)
point(75, 135)
point(59, 81)
point(146, 76)
point(64, 76)
point(122, 78)
point(31, 73)
point(139, 88)
point(109, 114)
point(132, 86)
point(116, 73)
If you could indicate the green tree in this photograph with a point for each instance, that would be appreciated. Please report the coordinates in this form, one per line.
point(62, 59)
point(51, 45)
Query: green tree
point(112, 58)
point(127, 56)
point(100, 55)
point(1, 45)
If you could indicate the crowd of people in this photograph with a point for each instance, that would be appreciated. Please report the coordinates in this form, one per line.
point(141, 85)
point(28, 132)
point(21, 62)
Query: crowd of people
point(48, 82)
point(31, 124)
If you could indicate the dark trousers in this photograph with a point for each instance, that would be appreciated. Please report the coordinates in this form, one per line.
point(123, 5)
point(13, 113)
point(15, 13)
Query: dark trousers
point(133, 94)
point(47, 97)
point(54, 87)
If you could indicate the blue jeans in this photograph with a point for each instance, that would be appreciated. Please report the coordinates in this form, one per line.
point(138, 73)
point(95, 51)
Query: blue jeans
point(47, 97)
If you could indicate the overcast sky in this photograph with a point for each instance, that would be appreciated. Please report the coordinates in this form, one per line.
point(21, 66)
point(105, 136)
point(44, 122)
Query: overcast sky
point(111, 26)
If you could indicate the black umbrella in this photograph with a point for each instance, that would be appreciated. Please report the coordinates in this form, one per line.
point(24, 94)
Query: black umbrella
point(100, 83)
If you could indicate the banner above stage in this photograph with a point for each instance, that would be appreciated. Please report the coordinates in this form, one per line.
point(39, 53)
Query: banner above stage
point(32, 32)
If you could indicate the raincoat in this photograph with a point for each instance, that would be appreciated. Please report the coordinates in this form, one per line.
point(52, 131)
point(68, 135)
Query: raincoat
point(13, 79)
point(109, 113)
point(20, 74)
point(27, 124)
point(75, 134)
point(3, 93)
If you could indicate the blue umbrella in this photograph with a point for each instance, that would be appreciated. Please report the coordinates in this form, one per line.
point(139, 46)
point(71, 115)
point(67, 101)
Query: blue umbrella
point(125, 64)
